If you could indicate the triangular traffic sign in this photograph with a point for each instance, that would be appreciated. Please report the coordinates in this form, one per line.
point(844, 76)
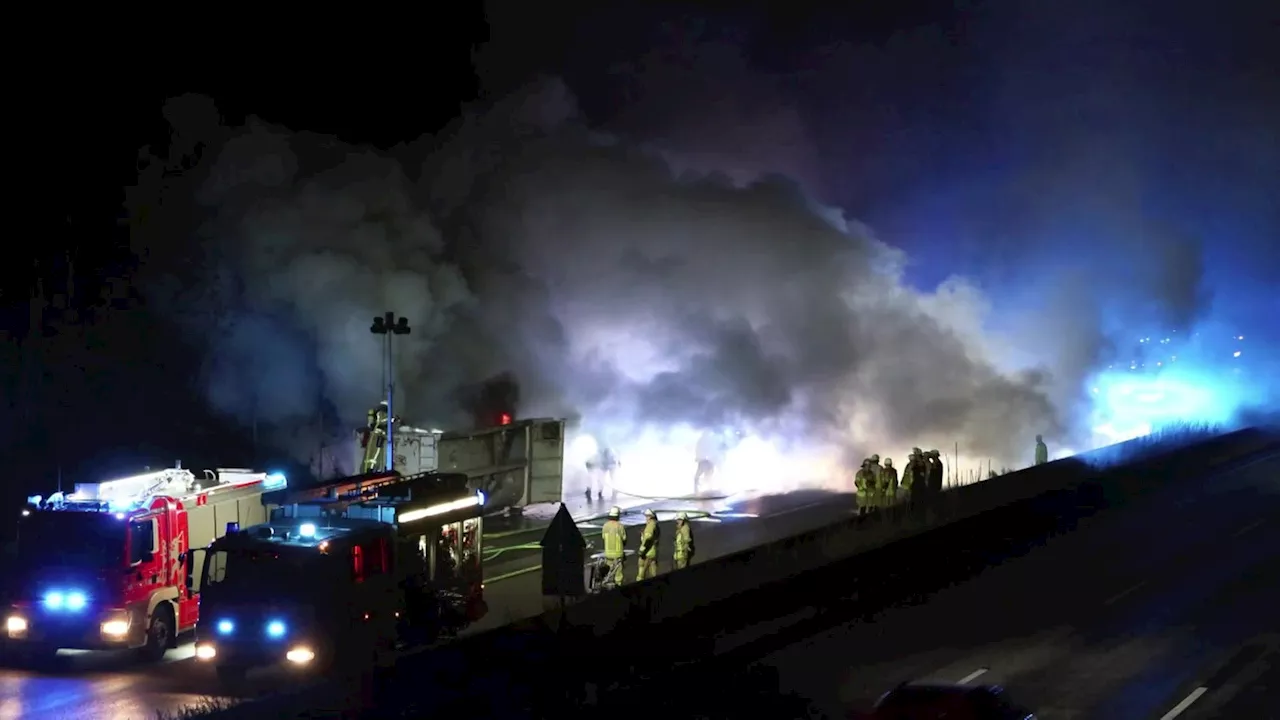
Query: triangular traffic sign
point(563, 532)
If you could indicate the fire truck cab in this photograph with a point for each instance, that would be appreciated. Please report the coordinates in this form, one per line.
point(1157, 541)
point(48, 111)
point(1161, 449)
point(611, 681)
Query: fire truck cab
point(103, 568)
point(352, 570)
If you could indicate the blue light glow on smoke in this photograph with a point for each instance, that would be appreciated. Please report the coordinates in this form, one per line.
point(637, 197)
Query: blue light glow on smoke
point(1172, 382)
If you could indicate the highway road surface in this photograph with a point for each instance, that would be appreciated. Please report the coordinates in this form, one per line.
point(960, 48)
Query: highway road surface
point(1166, 609)
point(110, 687)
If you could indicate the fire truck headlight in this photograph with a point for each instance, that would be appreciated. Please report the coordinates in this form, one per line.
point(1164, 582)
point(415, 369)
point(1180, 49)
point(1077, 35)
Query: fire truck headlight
point(15, 625)
point(205, 651)
point(300, 655)
point(226, 627)
point(115, 629)
point(275, 629)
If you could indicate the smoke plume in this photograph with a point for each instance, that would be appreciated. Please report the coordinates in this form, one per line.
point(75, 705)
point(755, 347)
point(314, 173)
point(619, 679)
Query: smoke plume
point(611, 289)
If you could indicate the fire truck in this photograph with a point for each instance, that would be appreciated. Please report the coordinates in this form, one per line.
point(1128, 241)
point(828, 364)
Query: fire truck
point(102, 568)
point(353, 569)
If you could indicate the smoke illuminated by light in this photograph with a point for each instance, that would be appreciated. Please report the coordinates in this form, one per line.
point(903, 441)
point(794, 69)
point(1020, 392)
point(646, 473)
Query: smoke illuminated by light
point(662, 464)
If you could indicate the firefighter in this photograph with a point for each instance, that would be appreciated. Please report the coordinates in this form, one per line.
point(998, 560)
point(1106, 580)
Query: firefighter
point(375, 437)
point(706, 455)
point(915, 479)
point(1042, 451)
point(648, 547)
point(864, 481)
point(684, 541)
point(601, 469)
point(889, 482)
point(877, 491)
point(614, 534)
point(935, 473)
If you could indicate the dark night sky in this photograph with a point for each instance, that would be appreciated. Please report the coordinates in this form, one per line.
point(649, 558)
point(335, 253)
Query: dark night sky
point(980, 138)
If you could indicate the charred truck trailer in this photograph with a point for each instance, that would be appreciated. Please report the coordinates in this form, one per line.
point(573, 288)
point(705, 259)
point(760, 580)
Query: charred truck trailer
point(103, 568)
point(515, 463)
point(354, 570)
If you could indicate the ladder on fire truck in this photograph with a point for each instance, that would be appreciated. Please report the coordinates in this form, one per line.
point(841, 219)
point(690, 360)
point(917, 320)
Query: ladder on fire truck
point(379, 489)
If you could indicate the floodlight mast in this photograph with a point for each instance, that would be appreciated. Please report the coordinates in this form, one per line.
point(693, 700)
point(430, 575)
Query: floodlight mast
point(389, 325)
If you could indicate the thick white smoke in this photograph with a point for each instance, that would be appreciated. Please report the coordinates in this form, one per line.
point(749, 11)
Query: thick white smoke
point(617, 293)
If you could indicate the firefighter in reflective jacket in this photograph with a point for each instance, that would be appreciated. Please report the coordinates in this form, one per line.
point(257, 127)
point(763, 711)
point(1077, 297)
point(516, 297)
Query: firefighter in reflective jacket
point(614, 535)
point(877, 488)
point(648, 547)
point(888, 483)
point(864, 482)
point(375, 437)
point(684, 541)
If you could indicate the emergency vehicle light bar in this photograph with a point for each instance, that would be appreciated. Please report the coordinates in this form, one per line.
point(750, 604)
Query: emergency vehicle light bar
point(442, 508)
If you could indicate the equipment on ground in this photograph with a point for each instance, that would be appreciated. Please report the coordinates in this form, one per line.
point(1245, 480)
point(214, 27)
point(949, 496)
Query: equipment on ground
point(602, 572)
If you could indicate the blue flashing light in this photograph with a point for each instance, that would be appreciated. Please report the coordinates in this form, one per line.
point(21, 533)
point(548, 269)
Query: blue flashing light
point(275, 629)
point(480, 494)
point(275, 481)
point(233, 528)
point(226, 627)
point(307, 530)
point(57, 601)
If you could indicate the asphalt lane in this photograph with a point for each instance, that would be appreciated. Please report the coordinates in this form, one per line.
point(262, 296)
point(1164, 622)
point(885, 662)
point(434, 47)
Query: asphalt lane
point(721, 527)
point(1140, 610)
point(110, 686)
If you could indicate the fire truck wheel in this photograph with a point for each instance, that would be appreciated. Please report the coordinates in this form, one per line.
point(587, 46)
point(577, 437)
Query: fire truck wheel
point(159, 634)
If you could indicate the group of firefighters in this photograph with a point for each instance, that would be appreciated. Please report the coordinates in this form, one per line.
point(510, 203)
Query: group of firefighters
point(614, 535)
point(879, 486)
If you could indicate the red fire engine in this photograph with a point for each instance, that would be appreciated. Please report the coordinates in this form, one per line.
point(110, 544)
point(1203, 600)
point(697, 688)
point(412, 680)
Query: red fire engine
point(103, 567)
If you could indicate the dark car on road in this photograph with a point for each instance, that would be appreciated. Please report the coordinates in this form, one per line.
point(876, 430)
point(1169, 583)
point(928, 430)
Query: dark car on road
point(954, 702)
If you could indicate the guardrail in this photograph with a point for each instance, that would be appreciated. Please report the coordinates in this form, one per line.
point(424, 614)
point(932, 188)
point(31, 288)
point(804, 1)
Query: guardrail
point(563, 638)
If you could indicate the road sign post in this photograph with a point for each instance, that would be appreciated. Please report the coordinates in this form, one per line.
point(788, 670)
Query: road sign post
point(563, 558)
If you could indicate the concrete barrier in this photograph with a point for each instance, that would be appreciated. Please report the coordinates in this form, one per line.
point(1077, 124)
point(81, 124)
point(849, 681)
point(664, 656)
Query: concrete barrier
point(676, 594)
point(910, 570)
point(684, 604)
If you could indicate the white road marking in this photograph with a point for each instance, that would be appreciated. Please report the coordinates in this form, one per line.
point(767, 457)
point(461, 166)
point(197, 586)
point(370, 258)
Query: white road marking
point(1247, 528)
point(1124, 593)
point(973, 676)
point(1186, 703)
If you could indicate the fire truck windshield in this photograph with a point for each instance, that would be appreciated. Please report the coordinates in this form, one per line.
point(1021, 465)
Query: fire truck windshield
point(277, 571)
point(72, 538)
